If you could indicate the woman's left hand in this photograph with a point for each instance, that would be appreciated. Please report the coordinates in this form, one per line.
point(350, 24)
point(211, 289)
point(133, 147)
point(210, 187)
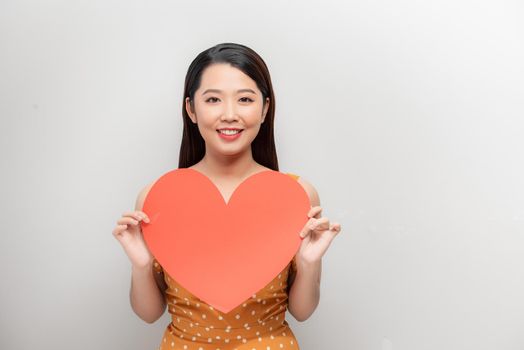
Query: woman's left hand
point(316, 235)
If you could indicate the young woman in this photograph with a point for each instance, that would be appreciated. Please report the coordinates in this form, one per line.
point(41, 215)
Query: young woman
point(228, 114)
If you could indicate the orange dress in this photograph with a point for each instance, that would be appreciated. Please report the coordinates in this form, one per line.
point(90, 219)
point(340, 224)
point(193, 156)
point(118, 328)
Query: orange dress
point(258, 323)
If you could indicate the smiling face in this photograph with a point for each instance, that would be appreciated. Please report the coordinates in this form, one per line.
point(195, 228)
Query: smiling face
point(227, 98)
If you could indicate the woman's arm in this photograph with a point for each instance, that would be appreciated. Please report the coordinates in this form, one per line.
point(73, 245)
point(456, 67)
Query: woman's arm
point(147, 287)
point(147, 301)
point(304, 294)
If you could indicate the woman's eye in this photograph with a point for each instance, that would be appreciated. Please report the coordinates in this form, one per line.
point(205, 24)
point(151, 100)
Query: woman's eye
point(243, 98)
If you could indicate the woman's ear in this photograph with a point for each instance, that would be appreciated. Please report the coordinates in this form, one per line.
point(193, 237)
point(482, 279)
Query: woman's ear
point(190, 111)
point(266, 108)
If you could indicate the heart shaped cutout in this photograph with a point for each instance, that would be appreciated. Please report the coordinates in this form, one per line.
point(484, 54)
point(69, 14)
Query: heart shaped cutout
point(223, 253)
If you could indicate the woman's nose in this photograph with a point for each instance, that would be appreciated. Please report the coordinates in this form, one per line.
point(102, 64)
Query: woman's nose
point(230, 112)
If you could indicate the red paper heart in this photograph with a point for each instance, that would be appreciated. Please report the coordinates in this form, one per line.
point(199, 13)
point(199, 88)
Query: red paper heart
point(223, 253)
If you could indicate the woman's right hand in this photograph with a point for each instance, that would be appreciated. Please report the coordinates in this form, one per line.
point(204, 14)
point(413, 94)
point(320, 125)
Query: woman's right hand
point(129, 233)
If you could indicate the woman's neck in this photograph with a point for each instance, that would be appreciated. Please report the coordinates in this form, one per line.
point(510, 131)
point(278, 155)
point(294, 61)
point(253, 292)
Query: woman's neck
point(236, 166)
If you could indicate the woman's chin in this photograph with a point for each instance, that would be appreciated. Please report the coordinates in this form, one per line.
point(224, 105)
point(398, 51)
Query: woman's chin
point(230, 150)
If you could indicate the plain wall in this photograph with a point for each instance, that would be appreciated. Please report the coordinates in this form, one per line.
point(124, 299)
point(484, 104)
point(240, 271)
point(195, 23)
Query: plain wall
point(407, 117)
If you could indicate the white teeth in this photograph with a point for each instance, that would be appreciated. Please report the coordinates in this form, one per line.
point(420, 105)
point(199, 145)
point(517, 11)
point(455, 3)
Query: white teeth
point(229, 132)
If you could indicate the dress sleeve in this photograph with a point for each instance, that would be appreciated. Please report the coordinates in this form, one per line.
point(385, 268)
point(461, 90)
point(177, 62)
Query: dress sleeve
point(292, 272)
point(157, 267)
point(294, 176)
point(293, 268)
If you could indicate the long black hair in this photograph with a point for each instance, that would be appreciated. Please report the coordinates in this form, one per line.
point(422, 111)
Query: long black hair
point(192, 149)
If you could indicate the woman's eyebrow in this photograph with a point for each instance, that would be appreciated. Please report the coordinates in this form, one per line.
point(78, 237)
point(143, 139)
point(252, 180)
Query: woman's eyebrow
point(219, 91)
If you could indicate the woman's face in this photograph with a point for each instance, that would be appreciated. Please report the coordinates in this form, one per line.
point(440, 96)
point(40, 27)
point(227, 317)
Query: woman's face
point(227, 98)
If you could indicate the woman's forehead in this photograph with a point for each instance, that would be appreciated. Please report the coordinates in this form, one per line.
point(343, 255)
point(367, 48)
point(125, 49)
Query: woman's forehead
point(226, 79)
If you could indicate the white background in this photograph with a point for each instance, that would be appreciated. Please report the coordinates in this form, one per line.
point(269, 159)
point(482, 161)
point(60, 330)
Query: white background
point(407, 116)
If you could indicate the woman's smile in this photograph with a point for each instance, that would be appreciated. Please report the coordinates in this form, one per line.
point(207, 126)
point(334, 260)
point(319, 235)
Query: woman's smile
point(229, 135)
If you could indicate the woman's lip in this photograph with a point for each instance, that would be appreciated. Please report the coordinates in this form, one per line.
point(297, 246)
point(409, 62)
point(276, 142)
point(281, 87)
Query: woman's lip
point(239, 131)
point(229, 137)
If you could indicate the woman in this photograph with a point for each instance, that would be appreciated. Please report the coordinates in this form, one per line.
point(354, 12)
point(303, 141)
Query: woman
point(228, 116)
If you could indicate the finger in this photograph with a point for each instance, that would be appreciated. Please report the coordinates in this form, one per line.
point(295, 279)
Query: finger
point(307, 228)
point(329, 234)
point(119, 229)
point(137, 215)
point(144, 216)
point(127, 221)
point(133, 214)
point(320, 224)
point(335, 227)
point(315, 211)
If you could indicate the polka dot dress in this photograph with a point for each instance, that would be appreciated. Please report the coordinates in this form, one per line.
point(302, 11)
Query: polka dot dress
point(257, 324)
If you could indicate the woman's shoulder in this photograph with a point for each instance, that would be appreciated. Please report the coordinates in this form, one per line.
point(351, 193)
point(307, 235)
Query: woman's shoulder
point(142, 196)
point(310, 190)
